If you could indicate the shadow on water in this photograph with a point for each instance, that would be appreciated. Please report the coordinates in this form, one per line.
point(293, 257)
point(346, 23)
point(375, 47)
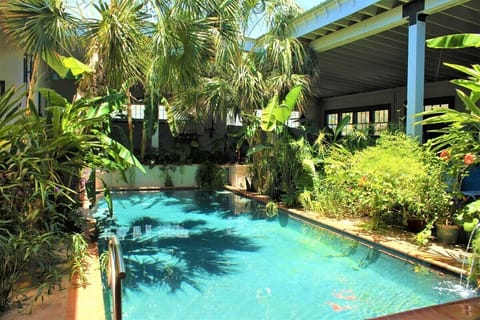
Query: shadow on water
point(177, 254)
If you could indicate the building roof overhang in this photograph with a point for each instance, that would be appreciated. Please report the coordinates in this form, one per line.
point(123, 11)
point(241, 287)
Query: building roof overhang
point(362, 45)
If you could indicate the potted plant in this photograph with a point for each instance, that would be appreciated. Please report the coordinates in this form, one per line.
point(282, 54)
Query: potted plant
point(447, 230)
point(429, 201)
point(437, 206)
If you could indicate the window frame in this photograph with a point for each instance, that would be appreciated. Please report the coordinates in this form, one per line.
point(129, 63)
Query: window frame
point(354, 121)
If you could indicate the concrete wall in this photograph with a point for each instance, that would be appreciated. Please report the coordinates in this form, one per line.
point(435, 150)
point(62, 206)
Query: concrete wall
point(182, 176)
point(237, 175)
point(156, 177)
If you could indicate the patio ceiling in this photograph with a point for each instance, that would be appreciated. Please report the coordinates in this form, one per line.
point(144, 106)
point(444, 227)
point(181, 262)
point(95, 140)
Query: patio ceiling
point(362, 44)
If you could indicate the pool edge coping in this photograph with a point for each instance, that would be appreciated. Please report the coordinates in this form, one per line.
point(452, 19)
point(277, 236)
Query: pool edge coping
point(413, 254)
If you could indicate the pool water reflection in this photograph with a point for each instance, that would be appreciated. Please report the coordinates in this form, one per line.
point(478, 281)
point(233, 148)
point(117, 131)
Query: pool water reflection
point(194, 254)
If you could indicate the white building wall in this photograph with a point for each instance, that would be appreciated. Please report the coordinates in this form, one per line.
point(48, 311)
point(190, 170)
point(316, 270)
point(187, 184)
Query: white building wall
point(11, 66)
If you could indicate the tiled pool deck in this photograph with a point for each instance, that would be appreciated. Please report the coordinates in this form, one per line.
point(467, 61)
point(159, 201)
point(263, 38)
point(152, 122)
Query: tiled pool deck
point(78, 303)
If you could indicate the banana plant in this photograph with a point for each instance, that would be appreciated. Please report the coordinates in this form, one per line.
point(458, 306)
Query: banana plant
point(83, 124)
point(272, 150)
point(275, 115)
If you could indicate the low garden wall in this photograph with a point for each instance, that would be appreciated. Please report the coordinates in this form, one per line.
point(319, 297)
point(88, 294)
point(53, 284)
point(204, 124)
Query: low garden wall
point(166, 176)
point(237, 175)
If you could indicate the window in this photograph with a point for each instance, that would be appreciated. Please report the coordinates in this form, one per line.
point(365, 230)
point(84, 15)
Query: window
point(429, 107)
point(234, 120)
point(162, 113)
point(138, 112)
point(373, 118)
point(332, 120)
point(380, 124)
point(431, 131)
point(294, 120)
point(363, 120)
point(348, 128)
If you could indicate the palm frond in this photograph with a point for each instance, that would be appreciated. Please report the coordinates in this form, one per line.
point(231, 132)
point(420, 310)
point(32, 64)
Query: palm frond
point(40, 27)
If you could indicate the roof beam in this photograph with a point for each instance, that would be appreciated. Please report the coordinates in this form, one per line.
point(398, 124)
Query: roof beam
point(384, 21)
point(326, 14)
point(379, 23)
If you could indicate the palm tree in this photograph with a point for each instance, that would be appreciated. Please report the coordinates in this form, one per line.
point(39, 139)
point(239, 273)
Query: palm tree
point(117, 48)
point(281, 57)
point(186, 40)
point(239, 81)
point(42, 28)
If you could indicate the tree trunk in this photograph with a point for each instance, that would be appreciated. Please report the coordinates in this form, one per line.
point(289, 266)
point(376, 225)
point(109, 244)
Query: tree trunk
point(32, 83)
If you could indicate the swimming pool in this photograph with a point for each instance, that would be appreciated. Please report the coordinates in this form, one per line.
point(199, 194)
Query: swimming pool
point(192, 254)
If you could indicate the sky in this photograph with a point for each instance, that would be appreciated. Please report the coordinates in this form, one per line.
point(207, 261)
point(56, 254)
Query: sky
point(308, 4)
point(260, 28)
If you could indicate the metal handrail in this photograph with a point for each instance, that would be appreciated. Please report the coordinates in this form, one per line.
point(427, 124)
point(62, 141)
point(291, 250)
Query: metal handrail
point(116, 273)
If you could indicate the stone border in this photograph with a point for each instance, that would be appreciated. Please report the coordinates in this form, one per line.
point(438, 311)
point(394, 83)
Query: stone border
point(435, 255)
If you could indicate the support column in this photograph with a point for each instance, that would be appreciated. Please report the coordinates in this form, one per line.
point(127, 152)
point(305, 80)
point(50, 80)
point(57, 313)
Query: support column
point(416, 65)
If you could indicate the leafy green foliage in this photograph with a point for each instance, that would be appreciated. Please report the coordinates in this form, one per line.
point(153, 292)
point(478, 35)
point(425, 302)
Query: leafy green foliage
point(78, 255)
point(210, 175)
point(41, 159)
point(393, 179)
point(275, 114)
point(455, 41)
point(460, 140)
point(42, 28)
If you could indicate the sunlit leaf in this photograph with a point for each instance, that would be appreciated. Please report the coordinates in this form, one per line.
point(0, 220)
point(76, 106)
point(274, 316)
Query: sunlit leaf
point(455, 41)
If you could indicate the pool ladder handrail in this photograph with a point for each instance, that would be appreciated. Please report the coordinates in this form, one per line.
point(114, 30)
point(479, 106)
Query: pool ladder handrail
point(116, 273)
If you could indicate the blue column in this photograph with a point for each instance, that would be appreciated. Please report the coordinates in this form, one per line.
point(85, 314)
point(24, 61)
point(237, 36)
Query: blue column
point(416, 73)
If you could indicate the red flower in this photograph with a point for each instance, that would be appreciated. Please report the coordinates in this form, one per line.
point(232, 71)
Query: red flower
point(445, 155)
point(469, 158)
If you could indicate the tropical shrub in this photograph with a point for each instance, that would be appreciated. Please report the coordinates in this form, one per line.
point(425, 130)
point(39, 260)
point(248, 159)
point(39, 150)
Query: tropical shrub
point(459, 145)
point(387, 182)
point(210, 175)
point(275, 153)
point(41, 160)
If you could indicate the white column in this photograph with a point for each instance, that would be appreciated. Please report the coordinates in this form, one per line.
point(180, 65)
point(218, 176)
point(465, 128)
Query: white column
point(416, 76)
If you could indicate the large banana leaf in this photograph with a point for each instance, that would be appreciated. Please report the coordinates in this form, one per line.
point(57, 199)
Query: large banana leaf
point(68, 67)
point(275, 113)
point(454, 41)
point(53, 98)
point(258, 148)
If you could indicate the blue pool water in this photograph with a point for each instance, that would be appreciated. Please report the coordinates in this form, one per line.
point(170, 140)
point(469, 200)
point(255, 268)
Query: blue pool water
point(213, 255)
